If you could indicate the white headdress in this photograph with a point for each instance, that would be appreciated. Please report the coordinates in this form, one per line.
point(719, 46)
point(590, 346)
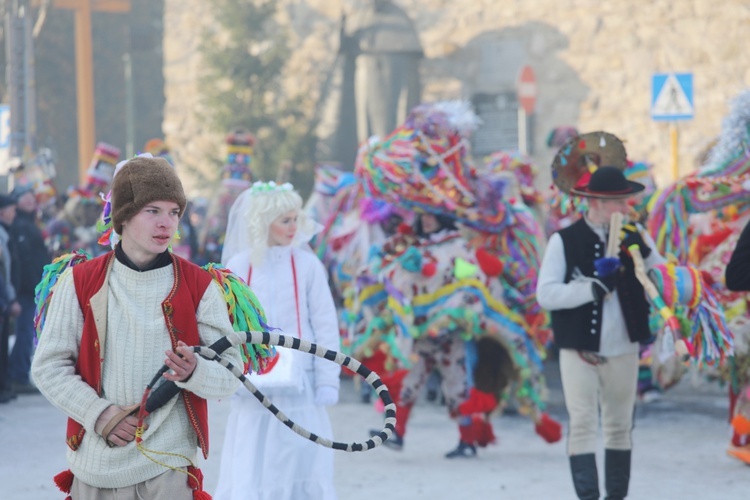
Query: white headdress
point(252, 214)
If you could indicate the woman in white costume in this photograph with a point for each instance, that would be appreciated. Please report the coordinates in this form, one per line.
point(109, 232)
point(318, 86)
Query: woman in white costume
point(266, 243)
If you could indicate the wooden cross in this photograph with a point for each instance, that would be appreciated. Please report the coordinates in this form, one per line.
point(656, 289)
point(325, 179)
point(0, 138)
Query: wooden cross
point(84, 69)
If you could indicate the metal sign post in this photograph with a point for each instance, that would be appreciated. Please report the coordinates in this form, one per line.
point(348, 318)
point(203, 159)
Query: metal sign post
point(526, 90)
point(672, 100)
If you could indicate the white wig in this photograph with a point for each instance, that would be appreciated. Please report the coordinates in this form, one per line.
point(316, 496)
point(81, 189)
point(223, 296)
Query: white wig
point(253, 213)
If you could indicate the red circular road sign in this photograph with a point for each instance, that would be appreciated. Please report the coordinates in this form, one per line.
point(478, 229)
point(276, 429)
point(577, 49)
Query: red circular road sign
point(526, 89)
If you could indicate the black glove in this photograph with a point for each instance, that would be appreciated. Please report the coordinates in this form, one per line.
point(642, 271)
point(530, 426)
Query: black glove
point(631, 236)
point(605, 285)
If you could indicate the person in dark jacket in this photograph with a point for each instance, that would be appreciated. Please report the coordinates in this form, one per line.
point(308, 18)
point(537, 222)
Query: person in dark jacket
point(737, 274)
point(737, 279)
point(11, 307)
point(32, 256)
point(598, 320)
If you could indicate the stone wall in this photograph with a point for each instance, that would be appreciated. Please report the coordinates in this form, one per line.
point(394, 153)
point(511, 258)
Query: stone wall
point(593, 61)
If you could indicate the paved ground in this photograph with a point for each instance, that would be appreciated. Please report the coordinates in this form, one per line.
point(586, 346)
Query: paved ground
point(680, 444)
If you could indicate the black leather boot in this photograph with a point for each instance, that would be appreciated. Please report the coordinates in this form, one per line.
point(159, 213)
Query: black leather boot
point(585, 476)
point(464, 450)
point(616, 473)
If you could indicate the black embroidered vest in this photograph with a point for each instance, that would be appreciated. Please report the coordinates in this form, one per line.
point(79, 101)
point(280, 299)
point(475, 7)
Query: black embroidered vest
point(580, 327)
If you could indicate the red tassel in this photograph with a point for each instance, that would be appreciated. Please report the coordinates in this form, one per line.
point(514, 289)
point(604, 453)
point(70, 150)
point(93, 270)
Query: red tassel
point(482, 430)
point(477, 402)
point(195, 481)
point(549, 429)
point(64, 481)
point(394, 381)
point(490, 264)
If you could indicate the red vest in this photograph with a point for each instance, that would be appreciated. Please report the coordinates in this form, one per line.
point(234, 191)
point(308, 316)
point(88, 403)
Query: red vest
point(190, 283)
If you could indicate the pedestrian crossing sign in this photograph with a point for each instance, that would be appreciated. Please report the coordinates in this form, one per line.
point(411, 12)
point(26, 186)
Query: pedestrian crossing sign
point(672, 96)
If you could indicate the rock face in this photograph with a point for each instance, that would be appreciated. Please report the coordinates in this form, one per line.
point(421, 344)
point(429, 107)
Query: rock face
point(593, 62)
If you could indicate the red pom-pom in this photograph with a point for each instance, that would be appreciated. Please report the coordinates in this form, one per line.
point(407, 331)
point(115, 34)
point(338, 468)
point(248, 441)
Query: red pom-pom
point(201, 495)
point(64, 481)
point(429, 269)
point(405, 228)
point(741, 425)
point(490, 264)
point(549, 429)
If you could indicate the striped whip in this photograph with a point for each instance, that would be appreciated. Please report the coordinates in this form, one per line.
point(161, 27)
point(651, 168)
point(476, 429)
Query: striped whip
point(158, 397)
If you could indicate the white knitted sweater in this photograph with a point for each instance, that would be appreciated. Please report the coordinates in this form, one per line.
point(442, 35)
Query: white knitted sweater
point(135, 346)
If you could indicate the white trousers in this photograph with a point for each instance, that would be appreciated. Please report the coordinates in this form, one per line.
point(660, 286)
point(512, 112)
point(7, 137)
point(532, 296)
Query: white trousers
point(609, 386)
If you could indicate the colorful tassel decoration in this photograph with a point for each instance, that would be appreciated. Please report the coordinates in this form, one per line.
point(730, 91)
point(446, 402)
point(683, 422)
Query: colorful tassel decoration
point(245, 313)
point(44, 290)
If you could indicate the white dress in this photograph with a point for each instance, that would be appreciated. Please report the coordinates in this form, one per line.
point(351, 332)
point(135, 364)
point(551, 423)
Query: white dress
point(262, 459)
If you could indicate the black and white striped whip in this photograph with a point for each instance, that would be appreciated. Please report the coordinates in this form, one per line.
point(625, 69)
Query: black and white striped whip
point(158, 397)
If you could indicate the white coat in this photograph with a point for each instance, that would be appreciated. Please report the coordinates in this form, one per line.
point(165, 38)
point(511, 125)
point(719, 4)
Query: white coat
point(262, 459)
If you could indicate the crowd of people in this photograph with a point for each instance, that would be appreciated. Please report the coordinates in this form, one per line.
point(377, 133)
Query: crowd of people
point(420, 263)
point(23, 254)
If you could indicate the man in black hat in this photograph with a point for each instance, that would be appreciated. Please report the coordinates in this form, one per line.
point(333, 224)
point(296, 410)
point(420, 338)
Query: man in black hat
point(9, 306)
point(598, 318)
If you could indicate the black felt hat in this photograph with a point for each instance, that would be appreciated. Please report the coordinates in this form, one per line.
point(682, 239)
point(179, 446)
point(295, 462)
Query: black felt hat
point(608, 182)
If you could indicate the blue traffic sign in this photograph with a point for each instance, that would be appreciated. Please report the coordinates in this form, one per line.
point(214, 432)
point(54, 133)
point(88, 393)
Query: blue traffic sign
point(672, 96)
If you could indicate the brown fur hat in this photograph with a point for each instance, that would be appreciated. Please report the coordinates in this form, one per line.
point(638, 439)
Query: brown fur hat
point(141, 181)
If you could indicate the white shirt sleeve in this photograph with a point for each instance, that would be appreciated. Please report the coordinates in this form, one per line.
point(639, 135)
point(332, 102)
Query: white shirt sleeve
point(552, 292)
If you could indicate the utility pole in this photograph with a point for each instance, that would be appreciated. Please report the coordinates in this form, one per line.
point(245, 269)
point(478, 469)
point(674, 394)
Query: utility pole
point(19, 53)
point(85, 69)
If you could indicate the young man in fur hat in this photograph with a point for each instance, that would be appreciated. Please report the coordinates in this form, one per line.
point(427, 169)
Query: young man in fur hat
point(112, 323)
point(598, 322)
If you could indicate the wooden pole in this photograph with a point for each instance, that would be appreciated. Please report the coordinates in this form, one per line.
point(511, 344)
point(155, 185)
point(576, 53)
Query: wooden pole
point(84, 87)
